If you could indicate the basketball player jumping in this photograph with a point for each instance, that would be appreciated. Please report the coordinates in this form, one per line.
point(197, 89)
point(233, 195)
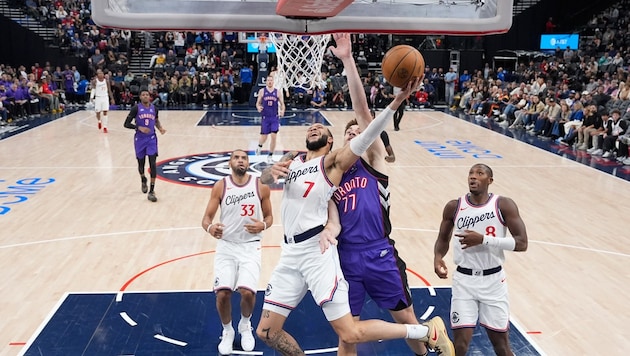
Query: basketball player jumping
point(145, 116)
point(480, 294)
point(245, 213)
point(369, 260)
point(102, 96)
point(270, 104)
point(310, 181)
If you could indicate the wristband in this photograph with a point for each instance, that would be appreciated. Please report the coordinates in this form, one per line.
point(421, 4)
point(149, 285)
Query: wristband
point(208, 229)
point(265, 225)
point(503, 243)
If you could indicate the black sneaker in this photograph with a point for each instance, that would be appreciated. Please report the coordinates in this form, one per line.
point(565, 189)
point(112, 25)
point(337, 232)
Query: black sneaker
point(145, 188)
point(152, 197)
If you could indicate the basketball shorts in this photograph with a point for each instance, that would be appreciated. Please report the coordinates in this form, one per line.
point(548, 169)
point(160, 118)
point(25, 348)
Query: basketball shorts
point(303, 267)
point(237, 265)
point(377, 272)
point(269, 124)
point(101, 104)
point(480, 298)
point(146, 145)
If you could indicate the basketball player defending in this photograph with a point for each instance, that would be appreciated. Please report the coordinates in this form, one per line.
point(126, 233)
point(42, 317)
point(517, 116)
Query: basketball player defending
point(480, 293)
point(102, 96)
point(270, 104)
point(369, 260)
point(308, 261)
point(245, 212)
point(145, 118)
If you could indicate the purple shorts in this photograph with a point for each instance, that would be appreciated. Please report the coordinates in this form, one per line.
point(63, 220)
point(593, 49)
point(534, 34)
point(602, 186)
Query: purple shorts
point(269, 125)
point(377, 272)
point(145, 145)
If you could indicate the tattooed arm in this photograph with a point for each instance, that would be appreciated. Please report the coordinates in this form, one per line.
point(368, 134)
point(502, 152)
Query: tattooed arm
point(280, 169)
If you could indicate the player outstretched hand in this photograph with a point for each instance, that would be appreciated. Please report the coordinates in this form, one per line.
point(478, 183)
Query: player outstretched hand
point(344, 45)
point(277, 171)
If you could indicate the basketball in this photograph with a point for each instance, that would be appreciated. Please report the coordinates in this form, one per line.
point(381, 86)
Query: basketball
point(400, 64)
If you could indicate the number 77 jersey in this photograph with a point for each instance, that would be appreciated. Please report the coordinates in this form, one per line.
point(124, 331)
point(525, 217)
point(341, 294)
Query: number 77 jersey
point(363, 203)
point(307, 190)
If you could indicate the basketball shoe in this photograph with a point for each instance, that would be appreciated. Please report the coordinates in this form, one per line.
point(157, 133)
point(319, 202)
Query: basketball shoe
point(152, 197)
point(104, 129)
point(144, 186)
point(437, 338)
point(99, 124)
point(227, 339)
point(247, 338)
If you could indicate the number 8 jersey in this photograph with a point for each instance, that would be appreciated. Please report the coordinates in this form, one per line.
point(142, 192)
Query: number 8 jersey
point(238, 206)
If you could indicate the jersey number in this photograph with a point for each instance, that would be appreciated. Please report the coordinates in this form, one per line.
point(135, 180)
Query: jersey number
point(349, 202)
point(308, 190)
point(247, 209)
point(146, 122)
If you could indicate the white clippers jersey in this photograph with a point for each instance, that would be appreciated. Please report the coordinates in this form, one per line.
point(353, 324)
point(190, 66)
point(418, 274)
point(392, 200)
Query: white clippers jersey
point(306, 194)
point(101, 89)
point(486, 220)
point(238, 205)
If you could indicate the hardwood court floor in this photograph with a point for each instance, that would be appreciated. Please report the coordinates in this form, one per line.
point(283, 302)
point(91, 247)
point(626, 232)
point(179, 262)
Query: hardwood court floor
point(91, 230)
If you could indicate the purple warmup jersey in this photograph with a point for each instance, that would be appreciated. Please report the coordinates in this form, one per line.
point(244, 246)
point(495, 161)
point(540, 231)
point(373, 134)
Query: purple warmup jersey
point(362, 186)
point(270, 103)
point(146, 143)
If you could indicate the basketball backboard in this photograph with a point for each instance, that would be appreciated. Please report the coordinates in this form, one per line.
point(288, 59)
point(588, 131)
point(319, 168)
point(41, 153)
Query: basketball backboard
point(452, 17)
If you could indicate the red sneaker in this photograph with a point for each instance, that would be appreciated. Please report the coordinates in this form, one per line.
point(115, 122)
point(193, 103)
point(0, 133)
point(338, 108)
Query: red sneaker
point(99, 125)
point(104, 129)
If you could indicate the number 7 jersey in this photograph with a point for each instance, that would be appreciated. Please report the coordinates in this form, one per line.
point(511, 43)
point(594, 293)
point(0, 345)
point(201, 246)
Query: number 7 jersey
point(307, 190)
point(239, 204)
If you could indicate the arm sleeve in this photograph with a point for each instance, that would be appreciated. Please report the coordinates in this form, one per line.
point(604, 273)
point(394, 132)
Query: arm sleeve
point(130, 117)
point(361, 143)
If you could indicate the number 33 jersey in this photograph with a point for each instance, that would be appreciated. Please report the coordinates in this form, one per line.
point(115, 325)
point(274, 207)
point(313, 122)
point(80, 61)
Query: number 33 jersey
point(240, 203)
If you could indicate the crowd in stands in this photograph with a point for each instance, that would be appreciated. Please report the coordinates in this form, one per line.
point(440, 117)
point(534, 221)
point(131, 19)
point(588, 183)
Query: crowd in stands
point(575, 96)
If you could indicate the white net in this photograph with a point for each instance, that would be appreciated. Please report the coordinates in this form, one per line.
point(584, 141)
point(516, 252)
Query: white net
point(299, 58)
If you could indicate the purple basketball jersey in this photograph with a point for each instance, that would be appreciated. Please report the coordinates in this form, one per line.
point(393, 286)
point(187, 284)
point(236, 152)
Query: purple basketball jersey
point(368, 258)
point(269, 103)
point(146, 143)
point(363, 203)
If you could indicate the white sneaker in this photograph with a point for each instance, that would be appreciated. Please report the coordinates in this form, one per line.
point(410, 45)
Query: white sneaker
point(626, 162)
point(607, 154)
point(247, 338)
point(591, 150)
point(597, 152)
point(257, 151)
point(227, 340)
point(270, 159)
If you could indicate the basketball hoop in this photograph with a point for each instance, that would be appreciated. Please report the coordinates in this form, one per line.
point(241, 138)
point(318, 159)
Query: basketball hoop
point(299, 58)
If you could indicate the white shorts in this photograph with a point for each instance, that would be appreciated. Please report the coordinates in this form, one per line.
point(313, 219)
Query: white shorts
point(303, 267)
point(101, 104)
point(237, 265)
point(482, 298)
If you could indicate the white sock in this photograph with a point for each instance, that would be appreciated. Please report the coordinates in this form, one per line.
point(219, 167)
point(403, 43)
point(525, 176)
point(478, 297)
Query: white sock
point(416, 331)
point(105, 121)
point(228, 327)
point(244, 319)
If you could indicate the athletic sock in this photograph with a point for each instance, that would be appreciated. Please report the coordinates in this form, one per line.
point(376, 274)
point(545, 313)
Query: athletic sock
point(244, 319)
point(105, 121)
point(152, 187)
point(228, 327)
point(416, 331)
point(144, 179)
